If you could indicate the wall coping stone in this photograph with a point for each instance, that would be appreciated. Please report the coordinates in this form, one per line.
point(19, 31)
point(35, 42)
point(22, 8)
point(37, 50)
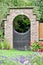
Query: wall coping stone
point(22, 7)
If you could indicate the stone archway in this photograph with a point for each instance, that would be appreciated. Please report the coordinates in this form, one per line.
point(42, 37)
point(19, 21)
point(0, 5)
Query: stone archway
point(28, 11)
point(21, 32)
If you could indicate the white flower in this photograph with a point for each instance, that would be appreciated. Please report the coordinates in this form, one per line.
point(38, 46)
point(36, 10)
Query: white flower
point(26, 62)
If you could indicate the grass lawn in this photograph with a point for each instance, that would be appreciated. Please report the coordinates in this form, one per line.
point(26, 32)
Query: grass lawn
point(13, 52)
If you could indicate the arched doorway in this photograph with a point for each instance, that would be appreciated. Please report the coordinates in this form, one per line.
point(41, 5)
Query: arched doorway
point(28, 11)
point(21, 32)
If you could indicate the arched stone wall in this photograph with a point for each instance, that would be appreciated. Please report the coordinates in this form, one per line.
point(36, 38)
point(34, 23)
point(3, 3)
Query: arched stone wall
point(28, 11)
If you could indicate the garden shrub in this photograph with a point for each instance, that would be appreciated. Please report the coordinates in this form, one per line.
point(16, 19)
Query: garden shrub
point(35, 46)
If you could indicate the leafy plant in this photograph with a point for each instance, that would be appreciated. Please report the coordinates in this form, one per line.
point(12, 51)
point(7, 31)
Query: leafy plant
point(35, 46)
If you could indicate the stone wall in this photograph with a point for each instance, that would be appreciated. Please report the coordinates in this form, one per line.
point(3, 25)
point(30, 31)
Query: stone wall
point(9, 23)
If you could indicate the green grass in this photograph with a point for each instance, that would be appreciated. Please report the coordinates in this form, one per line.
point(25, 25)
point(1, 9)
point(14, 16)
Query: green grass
point(11, 53)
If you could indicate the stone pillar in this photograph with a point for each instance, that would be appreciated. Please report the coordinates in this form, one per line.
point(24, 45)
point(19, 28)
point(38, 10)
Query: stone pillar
point(34, 31)
point(9, 31)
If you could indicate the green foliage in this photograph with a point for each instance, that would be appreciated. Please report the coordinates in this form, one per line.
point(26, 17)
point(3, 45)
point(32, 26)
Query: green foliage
point(6, 45)
point(1, 34)
point(39, 7)
point(3, 10)
point(29, 2)
point(21, 23)
point(35, 46)
point(41, 17)
point(0, 45)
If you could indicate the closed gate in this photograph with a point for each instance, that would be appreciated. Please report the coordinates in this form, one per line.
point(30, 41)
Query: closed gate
point(21, 40)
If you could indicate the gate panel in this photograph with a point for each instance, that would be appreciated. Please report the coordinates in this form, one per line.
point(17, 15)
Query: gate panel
point(20, 40)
